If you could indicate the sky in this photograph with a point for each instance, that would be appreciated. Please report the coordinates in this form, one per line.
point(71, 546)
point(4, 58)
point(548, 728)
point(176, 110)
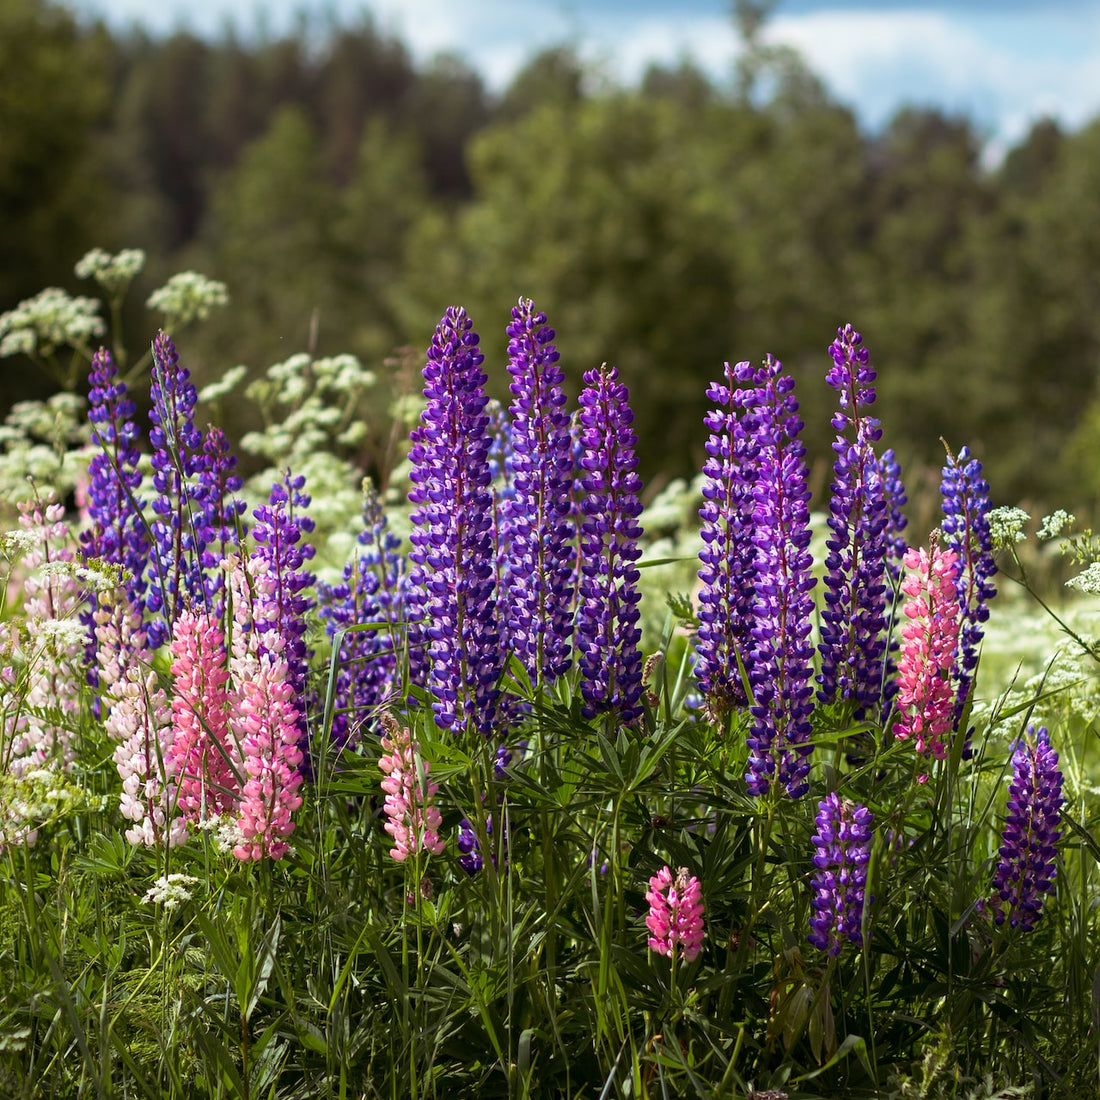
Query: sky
point(1003, 63)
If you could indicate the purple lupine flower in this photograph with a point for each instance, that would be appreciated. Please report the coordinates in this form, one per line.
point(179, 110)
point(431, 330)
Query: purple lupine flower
point(369, 593)
point(781, 669)
point(181, 526)
point(118, 533)
point(220, 482)
point(470, 851)
point(607, 631)
point(854, 620)
point(452, 535)
point(728, 555)
point(897, 548)
point(536, 600)
point(1026, 864)
point(966, 530)
point(843, 843)
point(280, 525)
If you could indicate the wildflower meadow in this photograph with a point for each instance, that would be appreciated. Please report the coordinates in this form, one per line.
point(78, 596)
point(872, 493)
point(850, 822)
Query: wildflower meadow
point(482, 779)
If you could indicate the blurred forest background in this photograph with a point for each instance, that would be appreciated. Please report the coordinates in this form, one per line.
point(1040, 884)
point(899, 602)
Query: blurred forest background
point(346, 196)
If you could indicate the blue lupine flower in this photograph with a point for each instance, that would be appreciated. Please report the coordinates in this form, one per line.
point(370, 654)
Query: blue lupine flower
point(781, 669)
point(843, 843)
point(854, 620)
point(1026, 862)
point(452, 558)
point(536, 600)
point(607, 633)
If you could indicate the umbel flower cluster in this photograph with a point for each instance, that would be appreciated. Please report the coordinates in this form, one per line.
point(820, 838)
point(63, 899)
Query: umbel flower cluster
point(521, 576)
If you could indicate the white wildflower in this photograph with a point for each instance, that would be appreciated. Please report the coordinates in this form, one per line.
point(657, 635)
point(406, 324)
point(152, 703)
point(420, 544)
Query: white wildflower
point(225, 385)
point(1088, 581)
point(1006, 526)
point(48, 321)
point(188, 296)
point(113, 273)
point(1054, 524)
point(171, 891)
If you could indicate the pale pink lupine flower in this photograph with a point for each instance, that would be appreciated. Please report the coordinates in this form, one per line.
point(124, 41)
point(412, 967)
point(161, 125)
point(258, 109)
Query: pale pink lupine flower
point(202, 748)
point(926, 698)
point(675, 918)
point(263, 718)
point(413, 820)
point(42, 731)
point(139, 717)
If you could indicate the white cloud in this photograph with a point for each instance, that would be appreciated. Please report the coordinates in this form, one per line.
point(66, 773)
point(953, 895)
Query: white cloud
point(1005, 72)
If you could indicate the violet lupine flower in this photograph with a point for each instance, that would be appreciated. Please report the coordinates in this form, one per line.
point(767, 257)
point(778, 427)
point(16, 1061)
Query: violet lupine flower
point(607, 632)
point(925, 699)
point(181, 524)
point(675, 919)
point(413, 819)
point(369, 593)
point(1026, 865)
point(966, 530)
point(854, 620)
point(728, 555)
point(896, 499)
point(536, 600)
point(453, 567)
point(118, 533)
point(781, 669)
point(263, 716)
point(843, 841)
point(204, 754)
point(282, 606)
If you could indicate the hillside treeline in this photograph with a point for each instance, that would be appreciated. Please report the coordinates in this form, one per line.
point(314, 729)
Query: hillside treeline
point(347, 195)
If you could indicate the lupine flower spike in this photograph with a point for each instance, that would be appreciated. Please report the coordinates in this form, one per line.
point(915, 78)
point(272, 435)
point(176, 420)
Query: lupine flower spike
point(925, 699)
point(675, 919)
point(1026, 864)
point(263, 718)
point(843, 850)
point(452, 575)
point(781, 668)
point(966, 530)
point(413, 820)
point(853, 622)
point(536, 602)
point(728, 555)
point(608, 634)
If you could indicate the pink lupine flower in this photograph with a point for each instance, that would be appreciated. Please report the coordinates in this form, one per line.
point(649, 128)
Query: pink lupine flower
point(413, 819)
point(202, 748)
point(264, 720)
point(675, 914)
point(925, 700)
